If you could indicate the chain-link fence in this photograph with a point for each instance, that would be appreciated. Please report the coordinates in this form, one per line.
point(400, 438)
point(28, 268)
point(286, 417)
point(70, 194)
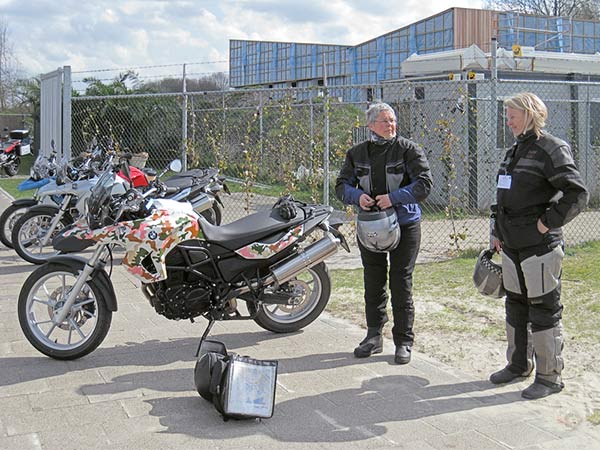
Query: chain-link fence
point(270, 142)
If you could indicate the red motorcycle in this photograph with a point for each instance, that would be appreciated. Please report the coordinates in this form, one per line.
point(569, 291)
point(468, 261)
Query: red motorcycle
point(16, 145)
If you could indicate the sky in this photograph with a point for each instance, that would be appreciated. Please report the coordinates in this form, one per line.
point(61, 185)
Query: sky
point(90, 35)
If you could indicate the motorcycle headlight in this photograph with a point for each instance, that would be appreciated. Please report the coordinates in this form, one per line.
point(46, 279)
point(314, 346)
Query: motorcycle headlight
point(3, 156)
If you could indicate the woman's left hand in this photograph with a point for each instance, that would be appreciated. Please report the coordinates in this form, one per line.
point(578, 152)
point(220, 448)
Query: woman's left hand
point(383, 201)
point(543, 229)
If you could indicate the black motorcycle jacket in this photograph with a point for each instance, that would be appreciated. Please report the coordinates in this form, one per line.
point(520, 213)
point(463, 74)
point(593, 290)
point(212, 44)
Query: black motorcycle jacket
point(407, 177)
point(537, 179)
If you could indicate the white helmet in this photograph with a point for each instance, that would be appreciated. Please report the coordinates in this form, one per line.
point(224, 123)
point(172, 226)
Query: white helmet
point(487, 275)
point(378, 231)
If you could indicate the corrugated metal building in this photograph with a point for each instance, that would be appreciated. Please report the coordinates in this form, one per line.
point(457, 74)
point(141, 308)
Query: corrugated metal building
point(293, 64)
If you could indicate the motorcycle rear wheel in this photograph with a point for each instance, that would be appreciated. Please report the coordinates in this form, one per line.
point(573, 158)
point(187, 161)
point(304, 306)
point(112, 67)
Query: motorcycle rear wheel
point(30, 229)
point(84, 328)
point(7, 221)
point(314, 285)
point(213, 214)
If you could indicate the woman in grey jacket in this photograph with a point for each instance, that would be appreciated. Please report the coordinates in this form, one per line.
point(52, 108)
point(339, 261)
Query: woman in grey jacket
point(387, 171)
point(539, 190)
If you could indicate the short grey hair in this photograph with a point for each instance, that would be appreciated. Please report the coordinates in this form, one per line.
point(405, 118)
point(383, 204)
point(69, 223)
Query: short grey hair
point(375, 109)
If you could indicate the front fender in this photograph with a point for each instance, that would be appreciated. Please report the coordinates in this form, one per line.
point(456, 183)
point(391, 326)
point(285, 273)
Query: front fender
point(50, 210)
point(78, 263)
point(25, 202)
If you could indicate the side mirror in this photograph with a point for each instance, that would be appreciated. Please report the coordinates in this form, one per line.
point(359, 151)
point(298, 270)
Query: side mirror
point(175, 165)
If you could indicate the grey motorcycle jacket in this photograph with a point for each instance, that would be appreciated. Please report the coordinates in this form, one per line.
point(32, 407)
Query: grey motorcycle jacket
point(537, 179)
point(407, 175)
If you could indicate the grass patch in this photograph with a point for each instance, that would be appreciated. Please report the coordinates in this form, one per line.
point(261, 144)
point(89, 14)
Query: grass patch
point(447, 303)
point(594, 418)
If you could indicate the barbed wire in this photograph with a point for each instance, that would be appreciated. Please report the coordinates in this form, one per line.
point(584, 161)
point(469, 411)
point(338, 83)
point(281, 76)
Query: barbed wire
point(158, 66)
point(176, 76)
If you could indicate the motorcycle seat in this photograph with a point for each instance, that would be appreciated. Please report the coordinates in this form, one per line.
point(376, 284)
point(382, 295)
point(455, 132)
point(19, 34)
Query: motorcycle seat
point(253, 228)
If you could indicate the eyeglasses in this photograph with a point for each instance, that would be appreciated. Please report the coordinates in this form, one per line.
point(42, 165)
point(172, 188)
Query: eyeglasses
point(392, 121)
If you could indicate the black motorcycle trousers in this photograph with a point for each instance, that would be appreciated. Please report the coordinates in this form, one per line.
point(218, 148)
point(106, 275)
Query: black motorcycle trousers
point(401, 266)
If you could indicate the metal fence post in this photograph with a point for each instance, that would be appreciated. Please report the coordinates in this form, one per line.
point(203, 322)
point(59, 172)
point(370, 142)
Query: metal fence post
point(184, 130)
point(326, 139)
point(66, 97)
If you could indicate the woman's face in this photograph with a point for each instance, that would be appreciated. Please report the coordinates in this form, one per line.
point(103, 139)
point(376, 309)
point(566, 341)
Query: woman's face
point(515, 119)
point(384, 125)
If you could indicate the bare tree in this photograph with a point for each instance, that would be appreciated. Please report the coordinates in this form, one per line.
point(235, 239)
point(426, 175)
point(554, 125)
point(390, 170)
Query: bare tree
point(8, 71)
point(580, 9)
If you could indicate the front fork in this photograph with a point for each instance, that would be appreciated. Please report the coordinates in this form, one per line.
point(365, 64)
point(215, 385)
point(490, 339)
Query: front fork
point(99, 255)
point(55, 220)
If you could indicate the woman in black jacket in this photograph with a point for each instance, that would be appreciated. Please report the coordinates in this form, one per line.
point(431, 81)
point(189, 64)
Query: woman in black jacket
point(539, 190)
point(387, 171)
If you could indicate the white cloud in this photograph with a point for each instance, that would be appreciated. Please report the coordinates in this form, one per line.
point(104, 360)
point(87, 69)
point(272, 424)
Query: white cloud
point(119, 34)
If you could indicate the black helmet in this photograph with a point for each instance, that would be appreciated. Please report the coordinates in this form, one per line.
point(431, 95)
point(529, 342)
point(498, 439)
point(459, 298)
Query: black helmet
point(378, 230)
point(487, 275)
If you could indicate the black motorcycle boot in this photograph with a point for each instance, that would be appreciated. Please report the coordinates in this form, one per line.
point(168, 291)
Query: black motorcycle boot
point(506, 376)
point(541, 388)
point(371, 344)
point(402, 355)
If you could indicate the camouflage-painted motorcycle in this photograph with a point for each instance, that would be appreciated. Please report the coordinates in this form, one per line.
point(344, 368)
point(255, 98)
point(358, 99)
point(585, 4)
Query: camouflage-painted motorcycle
point(188, 268)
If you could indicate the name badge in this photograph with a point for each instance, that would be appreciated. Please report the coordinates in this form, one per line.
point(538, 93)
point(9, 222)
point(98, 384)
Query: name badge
point(504, 181)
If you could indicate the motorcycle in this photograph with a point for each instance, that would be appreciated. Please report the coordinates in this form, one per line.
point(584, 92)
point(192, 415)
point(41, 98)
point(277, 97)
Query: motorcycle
point(32, 232)
point(41, 173)
point(188, 269)
point(42, 179)
point(16, 145)
point(201, 187)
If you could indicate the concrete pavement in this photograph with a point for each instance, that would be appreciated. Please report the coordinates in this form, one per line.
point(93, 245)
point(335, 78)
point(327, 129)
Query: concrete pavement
point(137, 391)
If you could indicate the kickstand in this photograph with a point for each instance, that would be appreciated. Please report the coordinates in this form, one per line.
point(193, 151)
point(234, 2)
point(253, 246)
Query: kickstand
point(211, 322)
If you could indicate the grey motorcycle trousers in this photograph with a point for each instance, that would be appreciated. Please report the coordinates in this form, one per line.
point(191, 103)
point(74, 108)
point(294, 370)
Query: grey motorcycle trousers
point(531, 278)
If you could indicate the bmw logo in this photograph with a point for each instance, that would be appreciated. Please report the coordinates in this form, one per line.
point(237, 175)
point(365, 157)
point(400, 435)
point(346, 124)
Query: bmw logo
point(152, 235)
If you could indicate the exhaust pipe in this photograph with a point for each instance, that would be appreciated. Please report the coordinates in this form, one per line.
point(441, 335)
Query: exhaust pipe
point(201, 203)
point(309, 257)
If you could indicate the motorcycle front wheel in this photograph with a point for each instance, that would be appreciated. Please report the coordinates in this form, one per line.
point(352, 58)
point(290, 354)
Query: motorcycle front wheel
point(7, 221)
point(12, 168)
point(311, 290)
point(42, 297)
point(29, 231)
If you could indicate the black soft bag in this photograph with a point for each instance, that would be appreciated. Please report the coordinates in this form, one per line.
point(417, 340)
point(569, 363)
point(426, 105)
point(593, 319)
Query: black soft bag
point(240, 387)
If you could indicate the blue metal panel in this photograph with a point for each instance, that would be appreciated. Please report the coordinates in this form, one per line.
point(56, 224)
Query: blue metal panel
point(244, 59)
point(380, 58)
point(258, 64)
point(274, 59)
point(412, 39)
point(353, 70)
point(313, 59)
point(560, 29)
point(292, 62)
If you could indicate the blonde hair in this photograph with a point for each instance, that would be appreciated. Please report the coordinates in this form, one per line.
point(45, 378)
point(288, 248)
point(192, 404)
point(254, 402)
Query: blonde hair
point(535, 110)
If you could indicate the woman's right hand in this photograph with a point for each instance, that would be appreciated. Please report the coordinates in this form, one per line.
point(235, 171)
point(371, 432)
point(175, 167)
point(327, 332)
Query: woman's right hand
point(496, 244)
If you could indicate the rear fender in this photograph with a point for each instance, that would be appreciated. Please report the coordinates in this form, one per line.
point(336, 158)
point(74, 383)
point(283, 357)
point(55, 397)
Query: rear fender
point(100, 276)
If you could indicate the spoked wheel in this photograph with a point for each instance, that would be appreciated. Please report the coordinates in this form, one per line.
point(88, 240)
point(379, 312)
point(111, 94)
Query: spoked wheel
point(12, 168)
point(7, 222)
point(30, 230)
point(42, 298)
point(309, 292)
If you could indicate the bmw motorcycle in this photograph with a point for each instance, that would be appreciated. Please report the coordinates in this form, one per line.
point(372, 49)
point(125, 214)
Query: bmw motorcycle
point(32, 232)
point(188, 268)
point(40, 175)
